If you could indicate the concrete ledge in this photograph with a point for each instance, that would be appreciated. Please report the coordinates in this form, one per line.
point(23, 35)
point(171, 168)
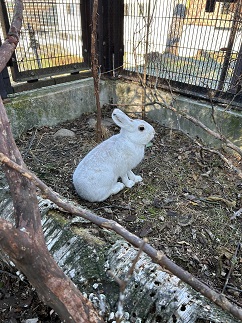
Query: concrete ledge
point(227, 122)
point(67, 101)
point(50, 105)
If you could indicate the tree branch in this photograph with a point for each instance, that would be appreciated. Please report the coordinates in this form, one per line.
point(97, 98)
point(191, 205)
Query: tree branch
point(157, 256)
point(226, 160)
point(203, 126)
point(95, 68)
point(23, 191)
point(8, 47)
point(25, 240)
point(54, 288)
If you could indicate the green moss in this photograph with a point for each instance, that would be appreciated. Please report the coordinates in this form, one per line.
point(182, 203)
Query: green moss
point(56, 215)
point(153, 211)
point(88, 236)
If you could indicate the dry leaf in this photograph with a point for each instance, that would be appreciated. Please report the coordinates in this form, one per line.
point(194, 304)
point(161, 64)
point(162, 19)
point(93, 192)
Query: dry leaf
point(215, 198)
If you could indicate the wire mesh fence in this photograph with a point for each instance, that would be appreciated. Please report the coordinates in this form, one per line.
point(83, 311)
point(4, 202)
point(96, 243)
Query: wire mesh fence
point(51, 37)
point(192, 42)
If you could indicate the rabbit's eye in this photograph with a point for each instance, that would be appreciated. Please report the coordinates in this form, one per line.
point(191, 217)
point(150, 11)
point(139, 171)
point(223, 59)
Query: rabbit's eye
point(141, 128)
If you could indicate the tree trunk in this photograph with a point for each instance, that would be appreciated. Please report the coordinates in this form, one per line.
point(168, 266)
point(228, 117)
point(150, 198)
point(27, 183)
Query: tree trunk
point(33, 259)
point(24, 241)
point(95, 69)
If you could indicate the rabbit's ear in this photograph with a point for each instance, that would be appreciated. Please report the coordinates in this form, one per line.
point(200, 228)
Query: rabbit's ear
point(121, 119)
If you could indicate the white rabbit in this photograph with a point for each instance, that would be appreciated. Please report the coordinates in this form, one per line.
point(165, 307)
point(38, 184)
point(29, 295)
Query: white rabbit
point(96, 176)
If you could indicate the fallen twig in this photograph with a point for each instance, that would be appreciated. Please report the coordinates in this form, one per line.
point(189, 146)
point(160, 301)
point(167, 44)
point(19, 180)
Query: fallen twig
point(234, 288)
point(25, 153)
point(233, 263)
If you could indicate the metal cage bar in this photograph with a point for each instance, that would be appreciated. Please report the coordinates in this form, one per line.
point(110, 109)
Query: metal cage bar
point(178, 41)
point(193, 47)
point(51, 39)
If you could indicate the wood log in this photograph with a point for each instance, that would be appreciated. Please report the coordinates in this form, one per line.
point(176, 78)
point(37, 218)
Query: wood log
point(87, 253)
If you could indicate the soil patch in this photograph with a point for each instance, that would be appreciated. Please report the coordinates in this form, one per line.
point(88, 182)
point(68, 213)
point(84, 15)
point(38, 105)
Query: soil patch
point(184, 206)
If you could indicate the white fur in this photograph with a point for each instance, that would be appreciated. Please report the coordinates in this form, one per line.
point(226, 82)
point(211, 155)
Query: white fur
point(96, 176)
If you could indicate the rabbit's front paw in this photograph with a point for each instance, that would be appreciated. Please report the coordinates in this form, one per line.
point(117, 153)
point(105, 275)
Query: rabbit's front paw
point(138, 178)
point(129, 183)
point(133, 177)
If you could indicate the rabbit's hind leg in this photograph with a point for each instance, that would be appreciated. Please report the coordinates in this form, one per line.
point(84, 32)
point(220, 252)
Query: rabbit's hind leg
point(117, 188)
point(128, 182)
point(133, 177)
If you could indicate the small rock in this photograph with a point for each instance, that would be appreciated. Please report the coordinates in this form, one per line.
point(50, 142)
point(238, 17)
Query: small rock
point(92, 122)
point(34, 320)
point(64, 133)
point(108, 210)
point(106, 122)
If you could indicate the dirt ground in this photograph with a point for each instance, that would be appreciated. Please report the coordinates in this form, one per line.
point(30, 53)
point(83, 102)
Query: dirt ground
point(184, 206)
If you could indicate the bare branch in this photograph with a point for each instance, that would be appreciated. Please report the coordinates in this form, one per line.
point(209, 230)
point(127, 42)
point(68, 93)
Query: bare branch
point(23, 191)
point(204, 127)
point(8, 47)
point(226, 160)
point(25, 240)
point(95, 68)
point(53, 286)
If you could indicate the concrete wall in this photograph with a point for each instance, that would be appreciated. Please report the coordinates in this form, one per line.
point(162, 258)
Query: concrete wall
point(55, 104)
point(51, 105)
point(227, 122)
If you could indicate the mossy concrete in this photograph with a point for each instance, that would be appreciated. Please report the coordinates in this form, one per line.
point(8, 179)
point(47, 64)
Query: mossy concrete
point(220, 119)
point(225, 122)
point(50, 105)
point(64, 102)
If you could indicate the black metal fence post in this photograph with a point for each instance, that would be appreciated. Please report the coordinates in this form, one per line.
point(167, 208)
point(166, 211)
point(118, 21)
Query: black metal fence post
point(110, 36)
point(236, 83)
point(5, 85)
point(229, 48)
point(86, 12)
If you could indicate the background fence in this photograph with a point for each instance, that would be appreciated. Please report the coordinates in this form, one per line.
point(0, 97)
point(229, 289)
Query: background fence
point(192, 46)
point(51, 39)
point(197, 43)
